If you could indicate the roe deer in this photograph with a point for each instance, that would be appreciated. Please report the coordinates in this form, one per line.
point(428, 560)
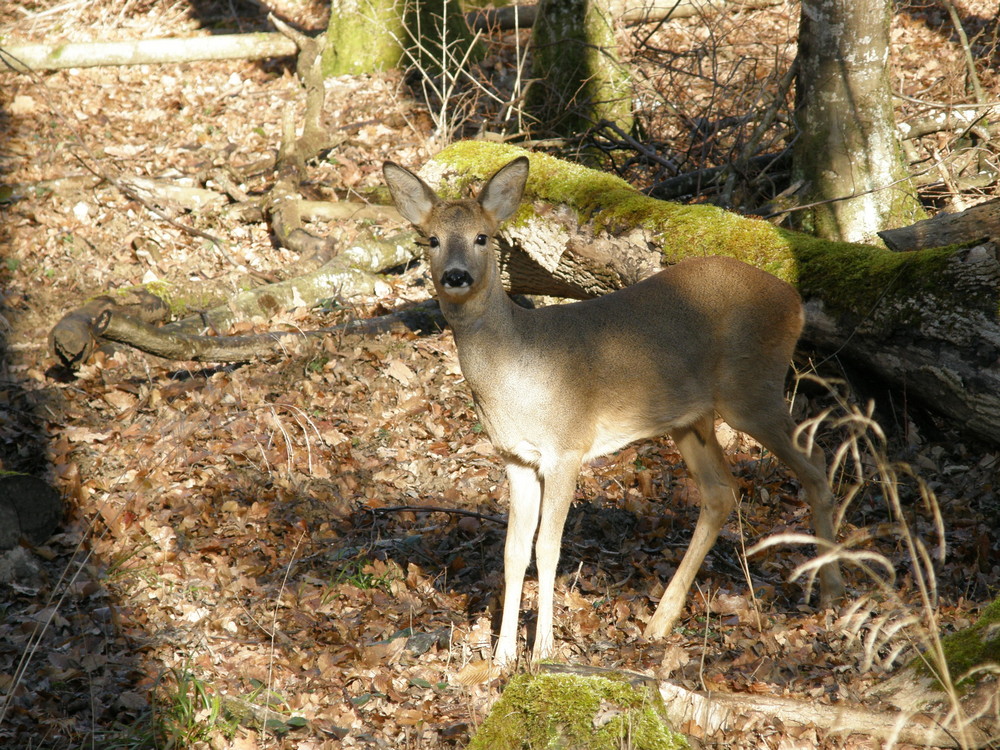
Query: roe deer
point(563, 384)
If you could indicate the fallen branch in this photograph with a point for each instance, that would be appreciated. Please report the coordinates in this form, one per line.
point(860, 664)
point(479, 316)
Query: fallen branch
point(25, 57)
point(502, 520)
point(724, 712)
point(119, 327)
point(329, 211)
point(115, 326)
point(512, 17)
point(975, 224)
point(283, 198)
point(704, 713)
point(351, 273)
point(974, 121)
point(164, 193)
point(73, 338)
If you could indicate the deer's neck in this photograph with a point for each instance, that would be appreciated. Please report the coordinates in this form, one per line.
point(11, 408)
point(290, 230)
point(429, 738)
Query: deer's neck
point(484, 316)
point(485, 330)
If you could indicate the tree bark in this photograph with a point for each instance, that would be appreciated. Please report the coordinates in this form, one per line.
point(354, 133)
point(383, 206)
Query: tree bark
point(364, 36)
point(847, 151)
point(370, 36)
point(579, 80)
point(927, 321)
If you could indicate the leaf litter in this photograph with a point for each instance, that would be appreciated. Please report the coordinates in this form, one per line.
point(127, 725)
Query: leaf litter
point(304, 552)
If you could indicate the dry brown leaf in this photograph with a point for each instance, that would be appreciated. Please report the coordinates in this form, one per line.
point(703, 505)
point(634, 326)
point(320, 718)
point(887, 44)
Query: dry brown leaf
point(674, 657)
point(476, 673)
point(383, 653)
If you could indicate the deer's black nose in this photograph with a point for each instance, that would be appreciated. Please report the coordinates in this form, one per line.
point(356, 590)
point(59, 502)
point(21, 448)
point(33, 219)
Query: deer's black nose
point(456, 278)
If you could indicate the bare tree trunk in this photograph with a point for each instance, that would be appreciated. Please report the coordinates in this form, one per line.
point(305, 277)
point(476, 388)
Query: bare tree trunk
point(363, 36)
point(368, 36)
point(847, 150)
point(580, 81)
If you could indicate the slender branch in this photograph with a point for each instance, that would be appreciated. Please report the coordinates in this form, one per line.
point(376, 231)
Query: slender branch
point(438, 509)
point(749, 150)
point(970, 62)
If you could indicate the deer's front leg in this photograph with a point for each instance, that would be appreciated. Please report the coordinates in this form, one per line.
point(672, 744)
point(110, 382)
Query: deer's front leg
point(525, 498)
point(558, 487)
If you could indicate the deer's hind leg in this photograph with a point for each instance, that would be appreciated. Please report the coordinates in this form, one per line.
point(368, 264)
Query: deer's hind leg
point(770, 424)
point(704, 459)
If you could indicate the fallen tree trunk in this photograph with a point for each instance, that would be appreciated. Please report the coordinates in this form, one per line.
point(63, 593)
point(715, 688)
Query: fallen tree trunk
point(928, 321)
point(721, 713)
point(168, 342)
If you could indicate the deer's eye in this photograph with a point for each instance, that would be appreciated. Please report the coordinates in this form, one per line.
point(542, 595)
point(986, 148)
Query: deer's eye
point(433, 241)
point(481, 239)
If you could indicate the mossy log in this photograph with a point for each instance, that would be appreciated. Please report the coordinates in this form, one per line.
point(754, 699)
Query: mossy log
point(925, 320)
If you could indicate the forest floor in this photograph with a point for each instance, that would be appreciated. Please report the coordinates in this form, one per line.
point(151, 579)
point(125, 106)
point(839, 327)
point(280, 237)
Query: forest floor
point(324, 535)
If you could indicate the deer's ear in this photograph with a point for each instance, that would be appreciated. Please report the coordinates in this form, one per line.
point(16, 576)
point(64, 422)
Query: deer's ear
point(501, 195)
point(410, 194)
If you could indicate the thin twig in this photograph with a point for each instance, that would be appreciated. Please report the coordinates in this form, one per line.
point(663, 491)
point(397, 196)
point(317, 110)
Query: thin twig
point(643, 149)
point(438, 509)
point(770, 114)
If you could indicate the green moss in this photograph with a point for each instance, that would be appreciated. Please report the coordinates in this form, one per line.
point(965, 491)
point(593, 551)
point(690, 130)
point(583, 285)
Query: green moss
point(181, 302)
point(372, 36)
point(975, 646)
point(849, 274)
point(572, 711)
point(161, 289)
